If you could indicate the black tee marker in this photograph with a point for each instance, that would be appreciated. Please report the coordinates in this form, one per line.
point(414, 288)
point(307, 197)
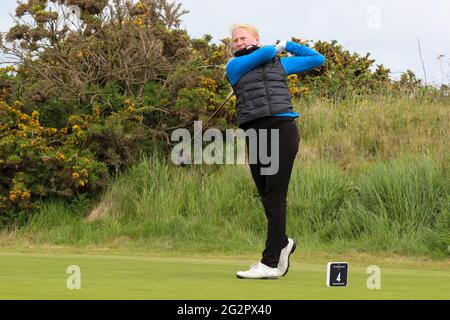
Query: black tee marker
point(337, 274)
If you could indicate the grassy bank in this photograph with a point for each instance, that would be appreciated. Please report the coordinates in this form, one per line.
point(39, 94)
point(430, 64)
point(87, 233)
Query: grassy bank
point(399, 207)
point(371, 175)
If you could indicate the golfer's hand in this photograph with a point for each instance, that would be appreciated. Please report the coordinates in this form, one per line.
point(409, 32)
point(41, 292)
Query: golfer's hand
point(280, 46)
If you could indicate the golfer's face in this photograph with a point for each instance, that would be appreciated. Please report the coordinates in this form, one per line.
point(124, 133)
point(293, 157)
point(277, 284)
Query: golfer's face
point(242, 38)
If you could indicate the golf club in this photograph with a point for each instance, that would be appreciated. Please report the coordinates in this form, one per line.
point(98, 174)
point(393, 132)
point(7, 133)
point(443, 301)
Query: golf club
point(182, 154)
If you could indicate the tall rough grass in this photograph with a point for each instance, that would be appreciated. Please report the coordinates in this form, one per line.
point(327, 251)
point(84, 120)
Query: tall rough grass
point(358, 131)
point(399, 206)
point(371, 175)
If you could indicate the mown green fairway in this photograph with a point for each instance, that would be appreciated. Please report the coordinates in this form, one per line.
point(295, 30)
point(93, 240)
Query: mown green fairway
point(43, 276)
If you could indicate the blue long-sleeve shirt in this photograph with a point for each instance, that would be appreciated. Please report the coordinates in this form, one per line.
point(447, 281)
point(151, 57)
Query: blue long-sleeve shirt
point(304, 59)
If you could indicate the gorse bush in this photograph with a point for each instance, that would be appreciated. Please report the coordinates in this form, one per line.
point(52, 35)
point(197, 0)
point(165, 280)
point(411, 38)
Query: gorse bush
point(109, 43)
point(118, 51)
point(38, 161)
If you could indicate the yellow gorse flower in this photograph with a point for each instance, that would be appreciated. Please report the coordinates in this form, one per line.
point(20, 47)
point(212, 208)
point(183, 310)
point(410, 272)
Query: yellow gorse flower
point(25, 195)
point(13, 196)
point(23, 117)
point(16, 195)
point(294, 91)
point(51, 131)
point(10, 69)
point(208, 83)
point(60, 156)
point(75, 176)
point(140, 5)
point(138, 22)
point(293, 78)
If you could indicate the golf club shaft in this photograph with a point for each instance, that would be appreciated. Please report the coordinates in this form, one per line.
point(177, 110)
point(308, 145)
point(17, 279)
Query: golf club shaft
point(215, 112)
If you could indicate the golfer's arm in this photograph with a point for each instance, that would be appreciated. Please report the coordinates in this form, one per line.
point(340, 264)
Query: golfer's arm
point(239, 66)
point(305, 58)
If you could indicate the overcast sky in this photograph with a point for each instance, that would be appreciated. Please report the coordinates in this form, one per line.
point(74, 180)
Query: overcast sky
point(388, 29)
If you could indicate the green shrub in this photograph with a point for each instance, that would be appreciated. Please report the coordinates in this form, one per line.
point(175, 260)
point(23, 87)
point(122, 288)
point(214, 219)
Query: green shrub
point(37, 161)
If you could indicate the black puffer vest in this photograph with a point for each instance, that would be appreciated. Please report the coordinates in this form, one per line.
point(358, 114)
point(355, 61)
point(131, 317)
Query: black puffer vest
point(262, 92)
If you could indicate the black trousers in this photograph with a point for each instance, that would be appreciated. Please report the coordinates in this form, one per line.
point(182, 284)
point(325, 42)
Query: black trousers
point(273, 189)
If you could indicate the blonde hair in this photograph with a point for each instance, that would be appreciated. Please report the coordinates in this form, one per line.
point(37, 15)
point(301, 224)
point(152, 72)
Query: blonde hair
point(248, 27)
point(252, 29)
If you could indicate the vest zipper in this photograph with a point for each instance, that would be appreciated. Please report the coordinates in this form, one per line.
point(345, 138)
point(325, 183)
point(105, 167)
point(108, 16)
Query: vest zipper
point(267, 89)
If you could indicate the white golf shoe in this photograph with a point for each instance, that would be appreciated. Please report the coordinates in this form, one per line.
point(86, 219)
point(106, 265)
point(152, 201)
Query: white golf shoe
point(283, 263)
point(259, 271)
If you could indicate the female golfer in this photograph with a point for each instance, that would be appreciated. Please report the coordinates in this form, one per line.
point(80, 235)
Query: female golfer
point(258, 77)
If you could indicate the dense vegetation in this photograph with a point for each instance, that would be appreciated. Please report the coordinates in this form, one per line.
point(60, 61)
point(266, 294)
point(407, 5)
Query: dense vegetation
point(96, 87)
